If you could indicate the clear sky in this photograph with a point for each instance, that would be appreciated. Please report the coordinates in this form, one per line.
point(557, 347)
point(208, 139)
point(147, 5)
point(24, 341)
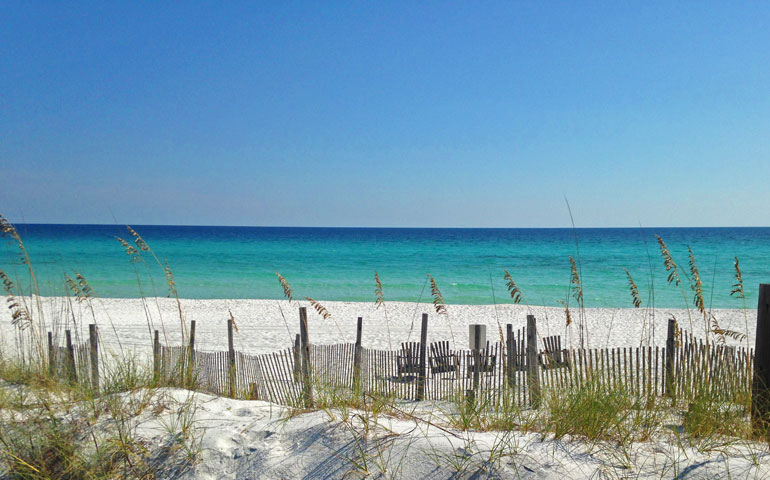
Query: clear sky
point(386, 113)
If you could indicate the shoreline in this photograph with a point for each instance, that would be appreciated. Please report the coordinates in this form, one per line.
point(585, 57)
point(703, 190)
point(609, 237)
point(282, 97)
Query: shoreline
point(269, 325)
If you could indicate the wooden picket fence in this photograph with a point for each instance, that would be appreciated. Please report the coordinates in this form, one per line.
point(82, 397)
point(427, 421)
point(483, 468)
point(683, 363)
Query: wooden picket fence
point(76, 362)
point(506, 372)
point(515, 372)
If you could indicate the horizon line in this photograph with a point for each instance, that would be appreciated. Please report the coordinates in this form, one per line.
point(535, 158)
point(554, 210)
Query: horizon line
point(383, 227)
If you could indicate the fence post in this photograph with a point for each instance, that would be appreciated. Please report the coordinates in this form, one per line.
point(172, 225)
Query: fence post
point(93, 340)
point(357, 357)
point(156, 356)
point(73, 376)
point(423, 355)
point(297, 359)
point(533, 367)
point(476, 352)
point(191, 356)
point(670, 346)
point(760, 388)
point(51, 356)
point(509, 351)
point(231, 357)
point(307, 385)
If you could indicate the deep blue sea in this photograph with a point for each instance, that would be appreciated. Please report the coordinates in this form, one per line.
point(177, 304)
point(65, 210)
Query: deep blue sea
point(339, 263)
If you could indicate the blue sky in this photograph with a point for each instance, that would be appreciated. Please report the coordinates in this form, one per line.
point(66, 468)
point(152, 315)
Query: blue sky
point(386, 113)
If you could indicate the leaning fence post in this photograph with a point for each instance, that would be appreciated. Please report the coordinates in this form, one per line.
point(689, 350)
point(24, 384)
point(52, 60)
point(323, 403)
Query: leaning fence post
point(509, 350)
point(73, 376)
point(307, 385)
point(231, 357)
point(93, 340)
point(156, 356)
point(533, 367)
point(760, 389)
point(423, 355)
point(51, 356)
point(670, 346)
point(357, 357)
point(191, 356)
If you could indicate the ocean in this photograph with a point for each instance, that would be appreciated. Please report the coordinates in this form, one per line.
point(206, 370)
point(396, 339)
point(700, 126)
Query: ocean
point(339, 263)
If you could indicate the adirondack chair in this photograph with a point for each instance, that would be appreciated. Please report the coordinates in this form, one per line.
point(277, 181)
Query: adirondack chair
point(488, 361)
point(442, 360)
point(409, 359)
point(553, 356)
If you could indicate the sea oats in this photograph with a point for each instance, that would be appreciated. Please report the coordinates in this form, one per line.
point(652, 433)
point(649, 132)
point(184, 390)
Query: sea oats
point(513, 289)
point(634, 290)
point(287, 292)
point(668, 262)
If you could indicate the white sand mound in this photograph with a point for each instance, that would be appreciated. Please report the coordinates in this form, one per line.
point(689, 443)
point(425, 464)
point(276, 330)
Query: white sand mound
point(254, 439)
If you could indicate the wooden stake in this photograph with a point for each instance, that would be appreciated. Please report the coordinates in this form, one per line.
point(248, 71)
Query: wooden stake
point(423, 355)
point(533, 367)
point(156, 356)
point(93, 340)
point(357, 357)
point(297, 359)
point(73, 376)
point(51, 356)
point(760, 389)
point(670, 342)
point(191, 356)
point(510, 352)
point(307, 385)
point(230, 357)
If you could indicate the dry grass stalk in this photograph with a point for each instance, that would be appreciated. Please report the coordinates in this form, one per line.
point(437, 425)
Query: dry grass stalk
point(696, 284)
point(513, 289)
point(74, 287)
point(319, 308)
point(634, 290)
point(438, 300)
point(378, 291)
point(668, 262)
point(380, 302)
point(170, 280)
point(738, 285)
point(20, 315)
point(440, 306)
point(131, 250)
point(723, 333)
point(7, 229)
point(287, 291)
point(577, 287)
point(738, 291)
point(324, 312)
point(136, 258)
point(138, 240)
point(673, 276)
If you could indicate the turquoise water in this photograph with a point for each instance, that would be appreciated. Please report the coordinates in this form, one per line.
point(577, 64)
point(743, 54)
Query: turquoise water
point(339, 263)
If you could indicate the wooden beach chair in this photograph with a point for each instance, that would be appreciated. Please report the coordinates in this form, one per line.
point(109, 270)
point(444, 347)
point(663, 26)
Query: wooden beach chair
point(442, 360)
point(487, 359)
point(553, 355)
point(409, 359)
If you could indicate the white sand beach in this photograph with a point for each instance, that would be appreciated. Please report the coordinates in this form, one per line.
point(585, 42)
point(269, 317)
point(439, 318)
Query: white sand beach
point(268, 325)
